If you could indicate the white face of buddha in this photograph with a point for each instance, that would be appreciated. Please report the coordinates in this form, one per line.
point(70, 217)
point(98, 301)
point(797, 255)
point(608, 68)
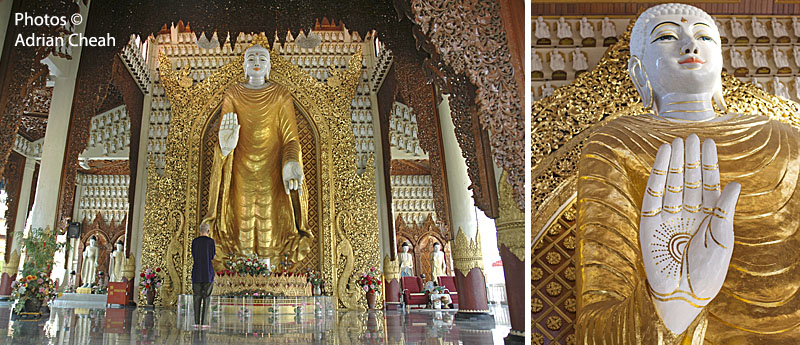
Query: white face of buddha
point(257, 62)
point(92, 242)
point(681, 54)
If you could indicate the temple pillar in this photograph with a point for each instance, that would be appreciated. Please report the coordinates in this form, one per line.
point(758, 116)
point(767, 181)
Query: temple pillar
point(466, 248)
point(134, 248)
point(511, 244)
point(10, 268)
point(391, 281)
point(5, 20)
point(45, 203)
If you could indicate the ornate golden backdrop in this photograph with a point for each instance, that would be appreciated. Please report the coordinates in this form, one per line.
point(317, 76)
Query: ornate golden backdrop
point(560, 125)
point(347, 221)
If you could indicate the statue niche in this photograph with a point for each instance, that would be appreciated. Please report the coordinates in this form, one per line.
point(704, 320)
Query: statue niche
point(308, 142)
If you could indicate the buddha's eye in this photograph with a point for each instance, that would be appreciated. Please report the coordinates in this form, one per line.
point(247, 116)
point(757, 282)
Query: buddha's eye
point(705, 38)
point(666, 37)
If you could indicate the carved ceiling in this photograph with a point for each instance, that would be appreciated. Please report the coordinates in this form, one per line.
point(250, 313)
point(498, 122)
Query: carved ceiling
point(410, 167)
point(107, 167)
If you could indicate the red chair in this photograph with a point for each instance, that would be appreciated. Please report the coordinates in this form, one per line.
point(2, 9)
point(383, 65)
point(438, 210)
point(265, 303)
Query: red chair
point(449, 283)
point(412, 291)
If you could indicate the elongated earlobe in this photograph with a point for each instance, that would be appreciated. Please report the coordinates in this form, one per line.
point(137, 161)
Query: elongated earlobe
point(719, 99)
point(641, 81)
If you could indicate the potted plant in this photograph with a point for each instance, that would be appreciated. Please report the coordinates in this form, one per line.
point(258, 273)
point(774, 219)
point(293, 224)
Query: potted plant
point(149, 283)
point(35, 288)
point(370, 282)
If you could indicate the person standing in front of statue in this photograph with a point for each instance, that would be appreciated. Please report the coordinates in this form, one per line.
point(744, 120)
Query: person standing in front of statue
point(203, 252)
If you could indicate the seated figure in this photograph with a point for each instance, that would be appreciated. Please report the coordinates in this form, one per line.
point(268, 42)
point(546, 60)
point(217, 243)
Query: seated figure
point(687, 216)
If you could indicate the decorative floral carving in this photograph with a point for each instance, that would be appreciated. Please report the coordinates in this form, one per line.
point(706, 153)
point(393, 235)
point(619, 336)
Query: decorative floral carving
point(536, 305)
point(536, 273)
point(554, 323)
point(571, 305)
point(553, 289)
point(553, 258)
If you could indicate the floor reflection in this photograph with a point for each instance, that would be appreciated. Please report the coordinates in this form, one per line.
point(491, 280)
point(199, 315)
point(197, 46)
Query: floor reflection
point(163, 326)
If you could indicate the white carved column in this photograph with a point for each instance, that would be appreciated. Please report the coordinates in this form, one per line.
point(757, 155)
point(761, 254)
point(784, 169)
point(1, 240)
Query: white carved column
point(10, 268)
point(47, 187)
point(466, 247)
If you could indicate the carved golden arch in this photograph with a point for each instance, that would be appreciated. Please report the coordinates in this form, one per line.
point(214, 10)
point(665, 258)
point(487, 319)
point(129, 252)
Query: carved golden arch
point(348, 210)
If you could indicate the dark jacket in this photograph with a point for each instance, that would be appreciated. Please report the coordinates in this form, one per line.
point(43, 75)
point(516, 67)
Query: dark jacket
point(203, 252)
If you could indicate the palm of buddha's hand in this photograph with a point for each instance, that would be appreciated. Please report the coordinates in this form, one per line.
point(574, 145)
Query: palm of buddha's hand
point(686, 230)
point(228, 133)
point(292, 176)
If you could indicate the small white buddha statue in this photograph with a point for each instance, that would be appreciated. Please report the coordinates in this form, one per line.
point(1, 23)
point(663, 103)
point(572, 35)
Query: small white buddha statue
point(779, 57)
point(438, 265)
point(759, 30)
point(564, 30)
point(737, 59)
point(796, 55)
point(778, 29)
point(796, 26)
point(779, 88)
point(720, 27)
point(89, 266)
point(557, 61)
point(116, 263)
point(406, 261)
point(759, 58)
point(579, 62)
point(608, 28)
point(586, 28)
point(547, 89)
point(536, 62)
point(542, 29)
point(737, 28)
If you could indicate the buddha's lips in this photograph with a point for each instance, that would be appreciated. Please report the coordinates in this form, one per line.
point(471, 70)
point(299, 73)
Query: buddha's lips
point(691, 60)
point(256, 69)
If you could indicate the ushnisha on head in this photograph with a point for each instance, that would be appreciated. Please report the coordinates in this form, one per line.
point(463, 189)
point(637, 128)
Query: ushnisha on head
point(676, 58)
point(257, 63)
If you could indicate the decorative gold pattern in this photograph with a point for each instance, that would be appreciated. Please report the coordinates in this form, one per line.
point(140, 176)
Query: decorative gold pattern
point(12, 266)
point(467, 253)
point(553, 285)
point(511, 222)
point(391, 269)
point(553, 258)
point(279, 285)
point(172, 209)
point(554, 323)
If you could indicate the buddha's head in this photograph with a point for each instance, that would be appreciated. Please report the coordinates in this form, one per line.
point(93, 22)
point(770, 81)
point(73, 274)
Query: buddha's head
point(436, 247)
point(405, 247)
point(119, 246)
point(92, 241)
point(257, 62)
point(675, 49)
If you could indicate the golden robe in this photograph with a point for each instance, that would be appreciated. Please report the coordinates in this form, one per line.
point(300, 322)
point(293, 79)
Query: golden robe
point(248, 208)
point(758, 303)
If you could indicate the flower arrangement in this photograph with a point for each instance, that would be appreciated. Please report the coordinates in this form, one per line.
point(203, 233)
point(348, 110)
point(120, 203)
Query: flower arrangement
point(315, 278)
point(150, 280)
point(35, 285)
point(370, 281)
point(38, 287)
point(249, 265)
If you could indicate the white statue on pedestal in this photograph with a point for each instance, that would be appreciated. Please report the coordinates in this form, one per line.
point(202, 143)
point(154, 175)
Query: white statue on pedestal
point(779, 57)
point(797, 87)
point(116, 263)
point(759, 58)
point(542, 29)
point(556, 61)
point(587, 29)
point(564, 30)
point(737, 28)
point(579, 62)
point(89, 266)
point(778, 29)
point(438, 265)
point(547, 89)
point(759, 30)
point(720, 27)
point(796, 26)
point(737, 59)
point(609, 29)
point(757, 83)
point(406, 261)
point(536, 62)
point(779, 88)
point(796, 55)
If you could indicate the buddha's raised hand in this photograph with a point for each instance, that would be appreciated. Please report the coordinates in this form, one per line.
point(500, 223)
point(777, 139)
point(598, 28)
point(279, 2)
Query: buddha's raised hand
point(292, 177)
point(228, 133)
point(686, 230)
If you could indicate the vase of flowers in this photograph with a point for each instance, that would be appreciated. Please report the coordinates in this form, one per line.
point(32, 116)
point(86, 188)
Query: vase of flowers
point(149, 283)
point(316, 280)
point(370, 282)
point(249, 265)
point(35, 288)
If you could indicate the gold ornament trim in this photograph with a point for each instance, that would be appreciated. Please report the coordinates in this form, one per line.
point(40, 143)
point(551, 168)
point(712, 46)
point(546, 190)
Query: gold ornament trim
point(12, 266)
point(129, 270)
point(391, 269)
point(467, 253)
point(172, 200)
point(511, 221)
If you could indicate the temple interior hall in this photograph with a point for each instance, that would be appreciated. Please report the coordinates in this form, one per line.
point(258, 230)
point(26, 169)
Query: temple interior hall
point(237, 172)
point(607, 100)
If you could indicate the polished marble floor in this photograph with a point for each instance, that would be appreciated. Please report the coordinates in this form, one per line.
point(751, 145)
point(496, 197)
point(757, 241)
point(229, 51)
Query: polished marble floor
point(163, 326)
